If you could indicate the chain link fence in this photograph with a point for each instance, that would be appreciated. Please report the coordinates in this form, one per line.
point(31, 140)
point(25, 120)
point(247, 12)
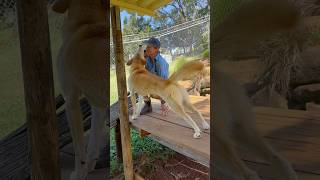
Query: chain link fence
point(12, 111)
point(190, 38)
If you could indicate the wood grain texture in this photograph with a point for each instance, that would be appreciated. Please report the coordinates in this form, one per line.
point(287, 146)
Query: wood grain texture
point(38, 88)
point(173, 132)
point(122, 93)
point(294, 134)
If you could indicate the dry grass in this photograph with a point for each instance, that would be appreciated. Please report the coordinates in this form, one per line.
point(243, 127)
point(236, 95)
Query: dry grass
point(281, 56)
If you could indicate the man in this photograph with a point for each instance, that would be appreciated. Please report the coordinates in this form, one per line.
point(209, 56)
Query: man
point(157, 65)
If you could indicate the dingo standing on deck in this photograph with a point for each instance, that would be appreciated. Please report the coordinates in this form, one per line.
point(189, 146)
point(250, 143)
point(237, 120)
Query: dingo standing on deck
point(145, 83)
point(82, 64)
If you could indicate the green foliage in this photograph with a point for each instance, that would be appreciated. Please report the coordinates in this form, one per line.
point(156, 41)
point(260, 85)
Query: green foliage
point(146, 146)
point(222, 8)
point(205, 53)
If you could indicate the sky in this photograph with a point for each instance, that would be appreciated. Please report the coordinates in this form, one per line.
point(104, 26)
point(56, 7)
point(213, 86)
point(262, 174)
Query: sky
point(124, 13)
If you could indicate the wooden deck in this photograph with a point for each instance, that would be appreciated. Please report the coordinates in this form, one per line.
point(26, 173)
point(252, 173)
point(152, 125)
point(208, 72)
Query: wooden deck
point(174, 132)
point(295, 134)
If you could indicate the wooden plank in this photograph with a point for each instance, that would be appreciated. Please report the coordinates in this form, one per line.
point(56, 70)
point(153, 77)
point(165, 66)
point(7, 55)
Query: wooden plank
point(287, 113)
point(122, 92)
point(303, 157)
point(176, 137)
point(38, 88)
point(266, 174)
point(14, 147)
point(294, 133)
point(299, 126)
point(164, 130)
point(202, 104)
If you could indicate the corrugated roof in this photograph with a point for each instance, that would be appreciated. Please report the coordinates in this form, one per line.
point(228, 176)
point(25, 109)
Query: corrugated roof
point(142, 7)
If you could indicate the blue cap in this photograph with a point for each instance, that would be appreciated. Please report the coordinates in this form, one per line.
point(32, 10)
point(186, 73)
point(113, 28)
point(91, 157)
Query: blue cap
point(153, 41)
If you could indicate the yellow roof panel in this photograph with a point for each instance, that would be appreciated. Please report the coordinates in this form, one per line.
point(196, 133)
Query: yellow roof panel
point(142, 7)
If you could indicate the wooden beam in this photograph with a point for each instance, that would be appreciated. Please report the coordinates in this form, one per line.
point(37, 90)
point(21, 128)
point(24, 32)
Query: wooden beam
point(132, 7)
point(144, 3)
point(38, 89)
point(118, 142)
point(122, 94)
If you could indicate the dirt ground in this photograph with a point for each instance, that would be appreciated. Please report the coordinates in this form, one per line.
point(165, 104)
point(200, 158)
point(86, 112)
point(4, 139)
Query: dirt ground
point(178, 167)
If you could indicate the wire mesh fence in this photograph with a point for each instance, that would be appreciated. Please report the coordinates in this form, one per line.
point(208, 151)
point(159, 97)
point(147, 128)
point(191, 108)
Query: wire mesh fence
point(12, 111)
point(190, 38)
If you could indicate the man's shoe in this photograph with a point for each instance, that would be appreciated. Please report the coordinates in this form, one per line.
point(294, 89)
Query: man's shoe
point(147, 108)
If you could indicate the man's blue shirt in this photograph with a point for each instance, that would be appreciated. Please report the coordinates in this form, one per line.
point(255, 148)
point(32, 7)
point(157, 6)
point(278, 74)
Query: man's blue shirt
point(160, 67)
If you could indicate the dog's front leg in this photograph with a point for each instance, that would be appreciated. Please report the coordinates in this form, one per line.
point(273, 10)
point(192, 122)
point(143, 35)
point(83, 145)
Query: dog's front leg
point(76, 128)
point(98, 120)
point(140, 103)
point(134, 106)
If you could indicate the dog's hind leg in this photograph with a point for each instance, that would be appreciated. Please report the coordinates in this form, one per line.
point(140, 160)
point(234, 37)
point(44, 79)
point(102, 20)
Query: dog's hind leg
point(134, 104)
point(98, 125)
point(76, 127)
point(179, 110)
point(205, 124)
point(248, 139)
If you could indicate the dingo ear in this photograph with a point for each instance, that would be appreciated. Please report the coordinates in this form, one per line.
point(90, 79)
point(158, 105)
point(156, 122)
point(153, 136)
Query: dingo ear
point(60, 6)
point(141, 51)
point(129, 62)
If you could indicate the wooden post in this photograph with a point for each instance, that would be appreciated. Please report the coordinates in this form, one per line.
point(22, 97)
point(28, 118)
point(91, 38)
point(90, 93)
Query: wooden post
point(212, 102)
point(38, 88)
point(122, 93)
point(118, 142)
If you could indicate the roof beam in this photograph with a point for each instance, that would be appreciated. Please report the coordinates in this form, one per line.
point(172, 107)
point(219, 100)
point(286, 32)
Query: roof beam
point(132, 7)
point(144, 3)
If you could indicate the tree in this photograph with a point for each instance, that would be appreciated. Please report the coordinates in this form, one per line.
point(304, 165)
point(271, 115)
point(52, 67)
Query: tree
point(180, 11)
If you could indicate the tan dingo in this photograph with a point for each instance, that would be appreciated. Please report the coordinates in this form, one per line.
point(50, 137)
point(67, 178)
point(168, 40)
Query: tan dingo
point(82, 64)
point(145, 83)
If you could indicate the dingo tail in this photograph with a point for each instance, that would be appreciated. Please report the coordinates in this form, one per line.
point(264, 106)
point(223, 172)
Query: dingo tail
point(187, 70)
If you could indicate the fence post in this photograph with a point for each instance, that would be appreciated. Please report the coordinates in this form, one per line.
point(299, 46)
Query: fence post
point(122, 93)
point(38, 88)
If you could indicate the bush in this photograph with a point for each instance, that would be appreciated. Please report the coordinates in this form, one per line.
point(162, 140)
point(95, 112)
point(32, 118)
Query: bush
point(205, 53)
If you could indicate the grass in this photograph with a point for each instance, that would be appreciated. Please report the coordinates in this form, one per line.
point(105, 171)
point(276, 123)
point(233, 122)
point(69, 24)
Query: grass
point(144, 151)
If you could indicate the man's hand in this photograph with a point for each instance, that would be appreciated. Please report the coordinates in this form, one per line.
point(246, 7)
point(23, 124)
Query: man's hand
point(164, 108)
